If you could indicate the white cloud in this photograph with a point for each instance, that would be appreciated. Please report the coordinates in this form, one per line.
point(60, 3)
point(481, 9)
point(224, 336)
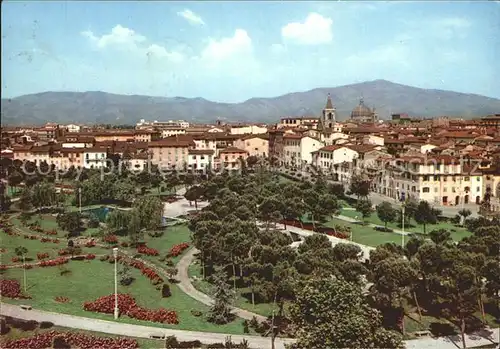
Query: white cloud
point(119, 35)
point(125, 38)
point(191, 17)
point(158, 51)
point(315, 30)
point(237, 45)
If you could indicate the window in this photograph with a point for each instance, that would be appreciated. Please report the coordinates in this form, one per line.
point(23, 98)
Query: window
point(436, 190)
point(453, 189)
point(445, 178)
point(426, 178)
point(478, 189)
point(478, 179)
point(467, 179)
point(445, 190)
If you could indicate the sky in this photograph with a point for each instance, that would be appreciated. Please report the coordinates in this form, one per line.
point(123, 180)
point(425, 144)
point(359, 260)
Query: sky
point(232, 51)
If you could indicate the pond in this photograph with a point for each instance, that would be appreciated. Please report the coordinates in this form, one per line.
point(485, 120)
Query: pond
point(100, 212)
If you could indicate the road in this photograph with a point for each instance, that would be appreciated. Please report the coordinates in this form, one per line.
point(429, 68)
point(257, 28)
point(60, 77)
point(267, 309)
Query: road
point(122, 329)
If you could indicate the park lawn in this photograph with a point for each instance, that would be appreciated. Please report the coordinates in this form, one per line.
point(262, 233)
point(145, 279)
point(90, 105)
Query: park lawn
point(90, 280)
point(9, 243)
point(366, 235)
point(15, 334)
point(240, 301)
point(47, 222)
point(457, 233)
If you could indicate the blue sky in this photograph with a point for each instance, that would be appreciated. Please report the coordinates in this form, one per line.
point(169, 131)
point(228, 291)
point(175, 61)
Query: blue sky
point(232, 51)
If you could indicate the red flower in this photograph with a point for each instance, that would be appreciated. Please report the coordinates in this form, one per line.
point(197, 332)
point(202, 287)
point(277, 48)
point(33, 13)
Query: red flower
point(177, 249)
point(147, 250)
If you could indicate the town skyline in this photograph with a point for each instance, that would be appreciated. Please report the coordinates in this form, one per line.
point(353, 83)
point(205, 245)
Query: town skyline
point(205, 50)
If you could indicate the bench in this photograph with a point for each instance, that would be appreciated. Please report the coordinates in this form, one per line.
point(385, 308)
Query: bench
point(422, 333)
point(157, 336)
point(26, 307)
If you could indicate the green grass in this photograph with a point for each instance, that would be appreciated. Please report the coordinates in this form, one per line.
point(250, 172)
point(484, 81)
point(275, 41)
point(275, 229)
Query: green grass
point(366, 235)
point(9, 243)
point(90, 280)
point(240, 301)
point(457, 235)
point(15, 333)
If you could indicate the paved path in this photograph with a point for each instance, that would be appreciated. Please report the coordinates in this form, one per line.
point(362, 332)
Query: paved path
point(187, 287)
point(123, 329)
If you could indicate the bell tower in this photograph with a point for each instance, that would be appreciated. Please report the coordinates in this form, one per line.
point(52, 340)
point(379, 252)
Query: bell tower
point(329, 114)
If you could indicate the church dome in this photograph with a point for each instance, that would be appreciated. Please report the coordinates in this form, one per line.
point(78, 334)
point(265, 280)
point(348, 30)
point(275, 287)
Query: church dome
point(361, 111)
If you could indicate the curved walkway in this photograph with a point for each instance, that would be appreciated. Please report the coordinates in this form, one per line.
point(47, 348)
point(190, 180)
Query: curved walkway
point(187, 287)
point(123, 329)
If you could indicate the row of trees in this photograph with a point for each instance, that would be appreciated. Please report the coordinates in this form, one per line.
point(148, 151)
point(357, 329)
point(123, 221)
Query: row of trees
point(436, 277)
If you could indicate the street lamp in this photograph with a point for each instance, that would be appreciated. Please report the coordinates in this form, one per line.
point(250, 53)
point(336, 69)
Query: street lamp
point(80, 198)
point(115, 254)
point(403, 226)
point(24, 269)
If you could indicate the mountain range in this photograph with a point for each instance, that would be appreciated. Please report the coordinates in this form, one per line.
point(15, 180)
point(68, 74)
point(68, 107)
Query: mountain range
point(101, 107)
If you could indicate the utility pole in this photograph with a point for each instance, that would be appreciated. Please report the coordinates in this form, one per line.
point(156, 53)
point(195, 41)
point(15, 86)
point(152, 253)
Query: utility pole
point(115, 254)
point(24, 271)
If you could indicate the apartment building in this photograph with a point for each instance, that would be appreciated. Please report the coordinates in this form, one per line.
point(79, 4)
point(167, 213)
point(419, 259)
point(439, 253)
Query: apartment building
point(441, 180)
point(230, 158)
point(76, 141)
point(310, 122)
point(255, 145)
point(247, 129)
point(146, 135)
point(201, 159)
point(171, 152)
point(170, 131)
point(326, 157)
point(94, 157)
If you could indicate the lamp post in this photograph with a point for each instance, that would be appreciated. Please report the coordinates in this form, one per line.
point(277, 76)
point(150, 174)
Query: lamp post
point(403, 226)
point(24, 270)
point(115, 254)
point(80, 198)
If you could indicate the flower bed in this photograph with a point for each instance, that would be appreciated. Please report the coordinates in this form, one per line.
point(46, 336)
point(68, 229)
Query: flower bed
point(128, 306)
point(15, 259)
point(90, 256)
point(63, 252)
point(90, 243)
point(54, 262)
point(41, 256)
point(177, 249)
point(61, 299)
point(76, 340)
point(31, 237)
point(50, 232)
point(3, 250)
point(111, 239)
point(147, 250)
point(11, 289)
point(148, 272)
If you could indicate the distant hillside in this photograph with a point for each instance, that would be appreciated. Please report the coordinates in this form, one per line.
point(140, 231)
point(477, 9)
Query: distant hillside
point(101, 107)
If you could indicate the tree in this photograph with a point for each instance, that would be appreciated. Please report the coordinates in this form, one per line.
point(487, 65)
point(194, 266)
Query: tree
point(21, 251)
point(359, 186)
point(15, 178)
point(386, 213)
point(364, 207)
point(252, 160)
point(134, 231)
point(150, 210)
point(194, 193)
point(464, 213)
point(220, 311)
point(425, 214)
point(333, 313)
point(69, 221)
point(26, 199)
point(117, 220)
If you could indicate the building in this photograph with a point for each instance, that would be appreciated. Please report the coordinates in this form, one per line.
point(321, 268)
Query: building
point(247, 129)
point(363, 114)
point(326, 157)
point(73, 128)
point(169, 131)
point(201, 159)
point(94, 157)
point(303, 121)
point(171, 152)
point(146, 136)
point(255, 145)
point(441, 180)
point(492, 120)
point(328, 117)
point(276, 146)
point(230, 158)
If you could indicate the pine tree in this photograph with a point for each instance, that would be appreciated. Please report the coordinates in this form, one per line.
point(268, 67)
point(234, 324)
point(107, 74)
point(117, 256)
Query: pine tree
point(220, 311)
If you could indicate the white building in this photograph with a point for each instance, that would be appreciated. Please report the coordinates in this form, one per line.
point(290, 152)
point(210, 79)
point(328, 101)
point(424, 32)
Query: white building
point(94, 157)
point(326, 157)
point(247, 129)
point(169, 131)
point(200, 159)
point(73, 128)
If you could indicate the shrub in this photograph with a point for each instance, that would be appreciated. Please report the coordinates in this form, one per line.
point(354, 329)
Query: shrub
point(384, 229)
point(46, 324)
point(148, 251)
point(196, 313)
point(10, 289)
point(165, 291)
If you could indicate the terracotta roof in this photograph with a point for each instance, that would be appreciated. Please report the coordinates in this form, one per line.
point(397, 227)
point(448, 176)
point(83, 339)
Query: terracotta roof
point(95, 150)
point(292, 136)
point(362, 148)
point(233, 150)
point(174, 141)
